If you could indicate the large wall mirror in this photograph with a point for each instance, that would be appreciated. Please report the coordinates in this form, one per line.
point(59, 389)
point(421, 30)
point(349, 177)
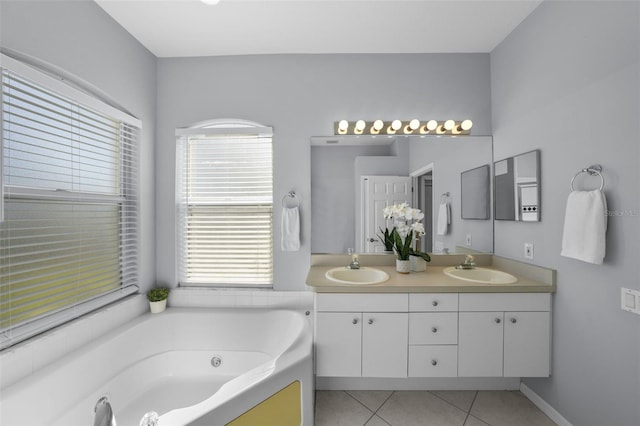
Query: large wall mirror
point(344, 168)
point(517, 187)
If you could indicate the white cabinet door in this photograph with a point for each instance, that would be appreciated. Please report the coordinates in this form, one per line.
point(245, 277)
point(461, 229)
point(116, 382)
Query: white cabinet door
point(338, 344)
point(480, 343)
point(384, 344)
point(527, 344)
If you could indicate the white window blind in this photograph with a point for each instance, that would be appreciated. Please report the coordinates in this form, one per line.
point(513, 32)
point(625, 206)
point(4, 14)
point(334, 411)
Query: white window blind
point(68, 242)
point(225, 187)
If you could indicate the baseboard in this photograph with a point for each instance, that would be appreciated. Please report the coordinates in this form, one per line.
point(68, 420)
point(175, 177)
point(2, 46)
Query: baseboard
point(544, 406)
point(418, 383)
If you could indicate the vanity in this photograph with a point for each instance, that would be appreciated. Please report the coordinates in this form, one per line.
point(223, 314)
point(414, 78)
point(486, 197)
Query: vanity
point(432, 325)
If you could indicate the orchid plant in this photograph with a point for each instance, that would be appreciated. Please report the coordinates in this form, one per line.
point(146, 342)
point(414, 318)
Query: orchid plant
point(407, 222)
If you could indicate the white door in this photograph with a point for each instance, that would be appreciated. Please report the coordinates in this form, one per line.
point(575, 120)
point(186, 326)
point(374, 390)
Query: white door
point(338, 344)
point(480, 343)
point(377, 192)
point(385, 344)
point(527, 344)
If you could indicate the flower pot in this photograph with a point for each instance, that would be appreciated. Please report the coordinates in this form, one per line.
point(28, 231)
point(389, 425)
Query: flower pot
point(157, 307)
point(403, 266)
point(418, 264)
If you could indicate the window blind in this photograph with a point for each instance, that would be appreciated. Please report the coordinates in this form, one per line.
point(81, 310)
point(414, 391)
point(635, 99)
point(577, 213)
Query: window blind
point(225, 187)
point(68, 242)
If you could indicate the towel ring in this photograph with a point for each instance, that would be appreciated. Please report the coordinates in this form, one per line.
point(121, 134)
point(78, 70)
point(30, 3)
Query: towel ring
point(444, 197)
point(292, 195)
point(596, 169)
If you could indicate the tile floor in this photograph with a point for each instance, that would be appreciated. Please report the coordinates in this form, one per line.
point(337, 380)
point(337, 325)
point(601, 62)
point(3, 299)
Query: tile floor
point(423, 408)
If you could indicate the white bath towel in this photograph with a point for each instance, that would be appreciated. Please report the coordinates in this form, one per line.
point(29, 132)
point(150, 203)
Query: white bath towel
point(290, 229)
point(444, 218)
point(585, 226)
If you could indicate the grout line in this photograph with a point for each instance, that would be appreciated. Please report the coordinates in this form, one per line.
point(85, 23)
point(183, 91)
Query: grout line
point(470, 408)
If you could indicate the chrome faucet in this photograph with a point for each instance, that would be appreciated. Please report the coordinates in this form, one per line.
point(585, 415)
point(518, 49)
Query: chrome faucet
point(104, 413)
point(469, 263)
point(354, 260)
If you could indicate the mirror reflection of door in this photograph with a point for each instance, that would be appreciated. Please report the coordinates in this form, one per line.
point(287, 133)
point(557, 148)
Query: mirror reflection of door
point(425, 203)
point(376, 193)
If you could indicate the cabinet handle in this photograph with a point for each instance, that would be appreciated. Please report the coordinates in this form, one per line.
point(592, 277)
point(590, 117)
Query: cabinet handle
point(434, 329)
point(498, 320)
point(355, 321)
point(434, 303)
point(370, 321)
point(434, 362)
point(513, 320)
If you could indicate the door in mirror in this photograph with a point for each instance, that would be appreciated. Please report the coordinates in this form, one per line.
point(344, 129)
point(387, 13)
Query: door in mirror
point(517, 187)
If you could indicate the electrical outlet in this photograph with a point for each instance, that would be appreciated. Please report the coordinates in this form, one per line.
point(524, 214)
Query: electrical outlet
point(528, 251)
point(468, 239)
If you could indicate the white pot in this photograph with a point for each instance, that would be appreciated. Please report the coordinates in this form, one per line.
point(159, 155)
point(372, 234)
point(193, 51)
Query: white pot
point(157, 307)
point(403, 266)
point(418, 264)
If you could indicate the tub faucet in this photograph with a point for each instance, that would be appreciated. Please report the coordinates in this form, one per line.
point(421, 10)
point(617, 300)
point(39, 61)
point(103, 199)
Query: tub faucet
point(354, 260)
point(469, 263)
point(104, 413)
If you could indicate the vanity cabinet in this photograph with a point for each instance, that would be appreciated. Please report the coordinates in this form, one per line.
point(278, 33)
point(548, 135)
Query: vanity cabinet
point(504, 334)
point(361, 335)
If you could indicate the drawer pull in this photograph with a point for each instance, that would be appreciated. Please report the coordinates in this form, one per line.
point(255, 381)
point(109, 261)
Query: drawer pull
point(513, 320)
point(498, 320)
point(355, 321)
point(370, 321)
point(434, 330)
point(434, 362)
point(434, 303)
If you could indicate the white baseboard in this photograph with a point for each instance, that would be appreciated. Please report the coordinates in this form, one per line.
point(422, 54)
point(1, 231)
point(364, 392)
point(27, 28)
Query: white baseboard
point(544, 406)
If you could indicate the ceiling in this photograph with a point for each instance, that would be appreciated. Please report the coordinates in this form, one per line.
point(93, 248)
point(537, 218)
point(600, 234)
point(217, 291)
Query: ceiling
point(181, 28)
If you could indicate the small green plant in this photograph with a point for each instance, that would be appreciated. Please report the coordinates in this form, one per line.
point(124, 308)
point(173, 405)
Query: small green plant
point(387, 239)
point(157, 294)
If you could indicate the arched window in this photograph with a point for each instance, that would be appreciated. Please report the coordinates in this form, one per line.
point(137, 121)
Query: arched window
point(225, 204)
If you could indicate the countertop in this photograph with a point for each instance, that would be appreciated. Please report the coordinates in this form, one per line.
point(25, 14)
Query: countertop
point(531, 279)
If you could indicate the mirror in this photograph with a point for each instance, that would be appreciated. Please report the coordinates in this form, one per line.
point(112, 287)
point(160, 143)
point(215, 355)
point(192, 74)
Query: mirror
point(434, 164)
point(517, 187)
point(475, 193)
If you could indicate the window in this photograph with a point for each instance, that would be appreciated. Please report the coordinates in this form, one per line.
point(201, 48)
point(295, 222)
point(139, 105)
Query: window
point(68, 239)
point(225, 187)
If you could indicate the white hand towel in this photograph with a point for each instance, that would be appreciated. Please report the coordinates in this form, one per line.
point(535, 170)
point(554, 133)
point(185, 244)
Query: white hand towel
point(290, 229)
point(585, 226)
point(444, 219)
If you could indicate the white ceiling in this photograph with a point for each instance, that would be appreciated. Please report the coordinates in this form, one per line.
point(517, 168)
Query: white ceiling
point(179, 28)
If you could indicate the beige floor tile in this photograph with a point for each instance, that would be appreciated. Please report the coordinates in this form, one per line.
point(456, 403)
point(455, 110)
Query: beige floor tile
point(461, 399)
point(336, 408)
point(376, 421)
point(371, 399)
point(420, 409)
point(472, 421)
point(508, 409)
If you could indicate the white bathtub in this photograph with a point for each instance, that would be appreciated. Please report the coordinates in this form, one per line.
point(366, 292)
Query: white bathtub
point(163, 363)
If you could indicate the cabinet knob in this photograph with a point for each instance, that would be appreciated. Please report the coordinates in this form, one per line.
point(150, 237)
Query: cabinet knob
point(513, 320)
point(498, 320)
point(434, 362)
point(434, 329)
point(355, 321)
point(434, 303)
point(370, 321)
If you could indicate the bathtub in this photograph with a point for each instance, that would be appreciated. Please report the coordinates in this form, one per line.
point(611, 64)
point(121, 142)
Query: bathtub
point(192, 366)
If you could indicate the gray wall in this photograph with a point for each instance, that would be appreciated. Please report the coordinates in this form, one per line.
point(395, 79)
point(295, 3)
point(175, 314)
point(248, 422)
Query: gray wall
point(81, 39)
point(566, 81)
point(301, 96)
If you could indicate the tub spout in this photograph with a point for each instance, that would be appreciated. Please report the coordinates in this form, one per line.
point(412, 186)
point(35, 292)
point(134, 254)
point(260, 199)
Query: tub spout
point(104, 413)
point(149, 419)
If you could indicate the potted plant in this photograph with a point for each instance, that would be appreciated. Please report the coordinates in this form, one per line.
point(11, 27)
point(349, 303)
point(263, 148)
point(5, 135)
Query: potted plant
point(387, 239)
point(407, 226)
point(158, 299)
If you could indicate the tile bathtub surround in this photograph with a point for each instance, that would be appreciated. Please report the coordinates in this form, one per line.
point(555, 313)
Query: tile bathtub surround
point(423, 408)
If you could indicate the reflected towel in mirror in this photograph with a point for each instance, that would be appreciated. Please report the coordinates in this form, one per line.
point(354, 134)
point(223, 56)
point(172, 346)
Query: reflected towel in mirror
point(444, 218)
point(290, 229)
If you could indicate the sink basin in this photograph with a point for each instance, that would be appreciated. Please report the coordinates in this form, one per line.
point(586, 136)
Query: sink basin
point(481, 275)
point(361, 276)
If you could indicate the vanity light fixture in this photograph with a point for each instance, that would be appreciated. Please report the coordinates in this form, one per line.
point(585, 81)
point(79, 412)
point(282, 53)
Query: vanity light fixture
point(415, 126)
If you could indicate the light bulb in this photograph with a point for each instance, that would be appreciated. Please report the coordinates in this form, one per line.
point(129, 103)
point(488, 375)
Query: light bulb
point(396, 124)
point(343, 125)
point(449, 124)
point(432, 125)
point(466, 125)
point(359, 127)
point(377, 126)
point(210, 2)
point(414, 124)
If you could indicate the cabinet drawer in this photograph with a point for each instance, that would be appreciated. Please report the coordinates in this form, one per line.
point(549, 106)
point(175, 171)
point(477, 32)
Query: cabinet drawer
point(433, 361)
point(353, 302)
point(483, 302)
point(433, 328)
point(433, 302)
